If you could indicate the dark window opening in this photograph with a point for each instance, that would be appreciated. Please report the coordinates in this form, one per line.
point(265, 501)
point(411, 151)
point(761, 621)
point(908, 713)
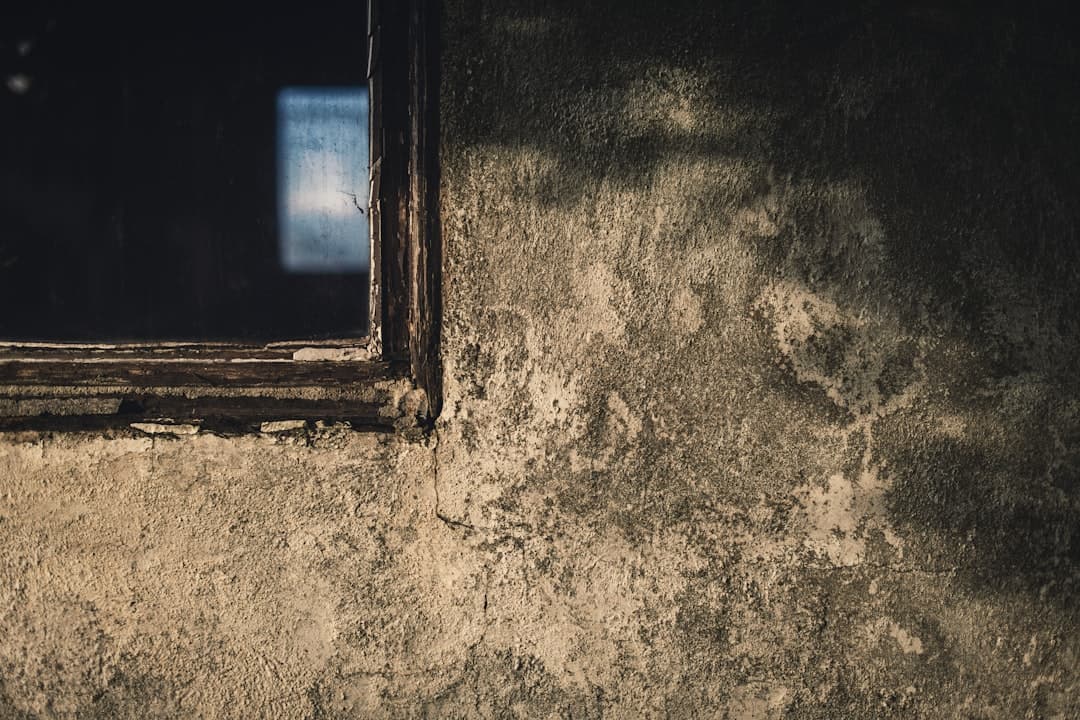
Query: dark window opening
point(184, 207)
point(173, 175)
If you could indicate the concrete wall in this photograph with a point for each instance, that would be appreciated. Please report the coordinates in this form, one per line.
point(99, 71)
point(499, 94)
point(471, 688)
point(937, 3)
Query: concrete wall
point(761, 402)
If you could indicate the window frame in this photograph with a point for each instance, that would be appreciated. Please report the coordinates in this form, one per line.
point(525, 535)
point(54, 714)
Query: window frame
point(237, 387)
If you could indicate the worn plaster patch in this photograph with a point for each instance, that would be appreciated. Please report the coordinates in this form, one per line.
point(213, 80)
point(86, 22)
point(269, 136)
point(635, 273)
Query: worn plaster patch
point(151, 428)
point(849, 353)
point(852, 356)
point(342, 354)
point(685, 312)
point(595, 289)
point(832, 520)
point(279, 426)
point(621, 429)
point(907, 642)
point(623, 424)
point(584, 615)
point(315, 630)
point(757, 701)
point(840, 514)
point(952, 426)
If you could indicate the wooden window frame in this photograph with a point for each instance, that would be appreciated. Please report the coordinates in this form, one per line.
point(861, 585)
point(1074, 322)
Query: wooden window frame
point(371, 383)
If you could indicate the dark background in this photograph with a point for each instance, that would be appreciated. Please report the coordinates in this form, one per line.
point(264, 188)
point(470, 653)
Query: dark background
point(137, 173)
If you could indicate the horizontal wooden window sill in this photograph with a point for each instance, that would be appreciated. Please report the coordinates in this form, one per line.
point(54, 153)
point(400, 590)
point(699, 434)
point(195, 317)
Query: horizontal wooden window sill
point(229, 388)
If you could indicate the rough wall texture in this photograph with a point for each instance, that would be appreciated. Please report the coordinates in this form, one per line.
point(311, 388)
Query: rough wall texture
point(762, 402)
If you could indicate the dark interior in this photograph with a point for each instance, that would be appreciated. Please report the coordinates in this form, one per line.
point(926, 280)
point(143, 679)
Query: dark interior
point(137, 173)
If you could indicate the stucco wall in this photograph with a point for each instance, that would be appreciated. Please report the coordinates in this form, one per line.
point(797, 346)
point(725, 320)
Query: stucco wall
point(761, 401)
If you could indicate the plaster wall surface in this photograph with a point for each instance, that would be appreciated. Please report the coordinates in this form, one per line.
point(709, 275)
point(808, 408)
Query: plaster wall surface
point(761, 402)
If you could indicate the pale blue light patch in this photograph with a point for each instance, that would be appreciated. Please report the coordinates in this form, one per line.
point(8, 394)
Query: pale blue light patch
point(323, 179)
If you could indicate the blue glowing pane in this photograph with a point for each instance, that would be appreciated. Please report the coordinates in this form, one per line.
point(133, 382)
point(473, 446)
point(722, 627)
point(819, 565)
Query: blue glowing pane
point(323, 179)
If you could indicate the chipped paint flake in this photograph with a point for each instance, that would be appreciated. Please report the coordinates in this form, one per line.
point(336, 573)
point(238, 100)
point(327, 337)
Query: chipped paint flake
point(317, 354)
point(161, 428)
point(277, 426)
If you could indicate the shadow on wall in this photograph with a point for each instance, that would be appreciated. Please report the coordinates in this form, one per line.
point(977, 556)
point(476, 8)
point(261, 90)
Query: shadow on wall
point(1006, 499)
point(954, 121)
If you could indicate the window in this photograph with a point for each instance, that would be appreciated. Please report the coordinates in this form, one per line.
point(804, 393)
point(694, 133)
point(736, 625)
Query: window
point(186, 205)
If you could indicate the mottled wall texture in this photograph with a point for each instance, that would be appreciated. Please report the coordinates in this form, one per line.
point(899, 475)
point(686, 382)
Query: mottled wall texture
point(762, 401)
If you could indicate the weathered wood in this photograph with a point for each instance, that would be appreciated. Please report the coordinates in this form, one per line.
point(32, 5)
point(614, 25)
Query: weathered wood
point(390, 140)
point(375, 155)
point(425, 237)
point(146, 373)
point(219, 414)
point(146, 383)
point(163, 350)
